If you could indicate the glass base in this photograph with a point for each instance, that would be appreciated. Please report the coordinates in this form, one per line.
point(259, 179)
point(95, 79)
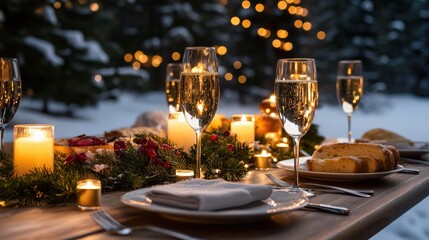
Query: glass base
point(88, 208)
point(306, 193)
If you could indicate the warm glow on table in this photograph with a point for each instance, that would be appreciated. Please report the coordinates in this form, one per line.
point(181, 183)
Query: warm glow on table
point(244, 127)
point(179, 131)
point(34, 149)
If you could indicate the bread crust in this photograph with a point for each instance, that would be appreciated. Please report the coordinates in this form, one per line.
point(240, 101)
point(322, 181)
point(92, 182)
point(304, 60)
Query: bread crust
point(360, 157)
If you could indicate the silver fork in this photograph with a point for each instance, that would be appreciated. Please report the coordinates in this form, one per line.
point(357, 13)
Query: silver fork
point(354, 192)
point(112, 226)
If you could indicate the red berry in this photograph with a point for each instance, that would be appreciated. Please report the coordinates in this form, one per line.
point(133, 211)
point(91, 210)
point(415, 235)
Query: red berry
point(166, 146)
point(227, 133)
point(72, 158)
point(214, 137)
point(82, 157)
point(151, 144)
point(165, 164)
point(230, 147)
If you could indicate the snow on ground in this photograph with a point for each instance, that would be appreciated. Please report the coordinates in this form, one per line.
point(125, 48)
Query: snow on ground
point(403, 114)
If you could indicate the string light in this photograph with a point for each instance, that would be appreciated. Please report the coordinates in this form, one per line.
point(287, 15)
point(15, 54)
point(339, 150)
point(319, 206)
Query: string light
point(321, 35)
point(175, 56)
point(235, 20)
point(228, 76)
point(221, 50)
point(246, 4)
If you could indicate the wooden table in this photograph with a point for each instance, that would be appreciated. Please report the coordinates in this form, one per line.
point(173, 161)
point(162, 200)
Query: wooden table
point(394, 195)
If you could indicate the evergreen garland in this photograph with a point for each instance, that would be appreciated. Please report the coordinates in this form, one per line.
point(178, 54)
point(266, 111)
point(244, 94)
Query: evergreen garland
point(144, 161)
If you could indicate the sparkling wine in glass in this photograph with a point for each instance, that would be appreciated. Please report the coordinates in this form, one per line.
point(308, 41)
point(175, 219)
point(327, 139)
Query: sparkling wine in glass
point(172, 80)
point(349, 88)
point(10, 92)
point(199, 92)
point(296, 99)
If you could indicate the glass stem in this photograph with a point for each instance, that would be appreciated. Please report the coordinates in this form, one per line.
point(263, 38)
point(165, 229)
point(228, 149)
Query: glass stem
point(349, 123)
point(198, 157)
point(296, 163)
point(1, 138)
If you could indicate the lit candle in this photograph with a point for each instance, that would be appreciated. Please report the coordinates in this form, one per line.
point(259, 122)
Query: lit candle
point(263, 160)
point(179, 131)
point(244, 127)
point(216, 123)
point(283, 144)
point(88, 194)
point(33, 147)
point(183, 174)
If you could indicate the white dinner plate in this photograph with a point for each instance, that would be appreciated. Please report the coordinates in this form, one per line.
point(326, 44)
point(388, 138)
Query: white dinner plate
point(279, 202)
point(327, 176)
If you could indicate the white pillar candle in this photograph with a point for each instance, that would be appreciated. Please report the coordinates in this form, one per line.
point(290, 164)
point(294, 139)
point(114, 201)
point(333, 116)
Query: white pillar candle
point(183, 174)
point(88, 193)
point(179, 131)
point(244, 127)
point(33, 147)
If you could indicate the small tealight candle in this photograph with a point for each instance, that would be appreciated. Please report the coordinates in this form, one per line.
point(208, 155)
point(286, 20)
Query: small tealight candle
point(179, 131)
point(183, 174)
point(283, 144)
point(244, 127)
point(33, 147)
point(88, 193)
point(263, 160)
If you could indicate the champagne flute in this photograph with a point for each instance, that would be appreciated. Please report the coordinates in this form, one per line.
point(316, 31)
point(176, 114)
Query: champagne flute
point(199, 92)
point(349, 88)
point(172, 79)
point(10, 87)
point(296, 99)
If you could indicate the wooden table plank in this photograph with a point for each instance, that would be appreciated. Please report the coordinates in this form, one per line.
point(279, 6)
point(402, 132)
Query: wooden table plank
point(394, 195)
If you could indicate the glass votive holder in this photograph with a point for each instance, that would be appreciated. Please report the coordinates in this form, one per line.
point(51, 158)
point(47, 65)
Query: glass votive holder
point(33, 147)
point(88, 194)
point(244, 127)
point(183, 174)
point(263, 161)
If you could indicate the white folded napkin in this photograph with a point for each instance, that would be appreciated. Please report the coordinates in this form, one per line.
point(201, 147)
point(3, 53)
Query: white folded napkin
point(208, 195)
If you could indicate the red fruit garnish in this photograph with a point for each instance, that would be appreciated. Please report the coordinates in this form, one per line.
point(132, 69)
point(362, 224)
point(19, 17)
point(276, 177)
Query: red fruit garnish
point(84, 142)
point(118, 146)
point(230, 147)
point(98, 141)
point(165, 164)
point(214, 137)
point(166, 146)
point(227, 133)
point(82, 157)
point(152, 144)
point(72, 158)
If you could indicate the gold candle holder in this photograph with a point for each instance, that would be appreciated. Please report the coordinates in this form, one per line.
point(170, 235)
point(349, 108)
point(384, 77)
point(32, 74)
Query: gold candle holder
point(183, 174)
point(88, 193)
point(263, 161)
point(33, 147)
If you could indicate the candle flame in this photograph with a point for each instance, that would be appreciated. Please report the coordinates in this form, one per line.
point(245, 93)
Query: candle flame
point(243, 118)
point(198, 69)
point(200, 107)
point(273, 98)
point(37, 134)
point(349, 71)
